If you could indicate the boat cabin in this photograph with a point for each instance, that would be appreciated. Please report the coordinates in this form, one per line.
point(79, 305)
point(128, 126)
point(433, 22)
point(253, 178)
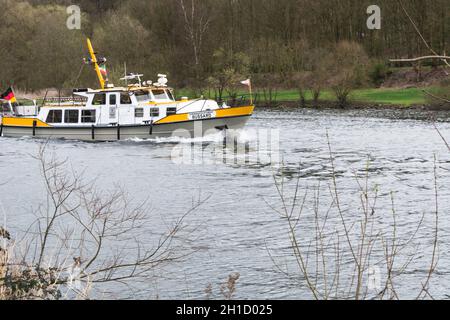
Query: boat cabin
point(113, 106)
point(26, 109)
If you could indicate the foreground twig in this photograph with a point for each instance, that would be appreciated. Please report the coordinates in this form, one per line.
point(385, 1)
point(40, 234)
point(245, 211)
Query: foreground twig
point(340, 250)
point(84, 238)
point(442, 137)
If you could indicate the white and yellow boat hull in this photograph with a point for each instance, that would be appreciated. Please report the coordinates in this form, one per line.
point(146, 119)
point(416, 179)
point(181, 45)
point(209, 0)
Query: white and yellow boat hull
point(185, 125)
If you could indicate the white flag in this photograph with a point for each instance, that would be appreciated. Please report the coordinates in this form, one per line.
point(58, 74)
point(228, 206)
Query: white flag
point(246, 82)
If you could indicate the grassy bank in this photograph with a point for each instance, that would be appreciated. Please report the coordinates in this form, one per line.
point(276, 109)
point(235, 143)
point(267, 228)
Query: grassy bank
point(398, 97)
point(404, 97)
point(401, 97)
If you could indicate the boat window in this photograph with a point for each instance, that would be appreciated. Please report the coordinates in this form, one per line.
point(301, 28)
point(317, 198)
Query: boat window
point(71, 116)
point(88, 116)
point(142, 96)
point(99, 99)
point(54, 116)
point(112, 99)
point(170, 95)
point(159, 94)
point(125, 98)
point(154, 112)
point(139, 112)
point(171, 110)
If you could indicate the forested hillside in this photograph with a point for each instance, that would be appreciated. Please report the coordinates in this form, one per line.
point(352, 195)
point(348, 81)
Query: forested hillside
point(210, 41)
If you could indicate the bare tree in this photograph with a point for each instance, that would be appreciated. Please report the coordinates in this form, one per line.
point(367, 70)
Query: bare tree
point(197, 20)
point(83, 239)
point(229, 70)
point(417, 60)
point(302, 83)
point(268, 86)
point(346, 65)
point(443, 58)
point(340, 253)
point(310, 81)
point(178, 36)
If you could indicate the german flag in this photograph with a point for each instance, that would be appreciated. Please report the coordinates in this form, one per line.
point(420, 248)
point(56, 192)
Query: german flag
point(9, 95)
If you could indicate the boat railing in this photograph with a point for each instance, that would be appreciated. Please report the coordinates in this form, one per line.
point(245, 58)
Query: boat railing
point(23, 107)
point(231, 101)
point(238, 100)
point(63, 99)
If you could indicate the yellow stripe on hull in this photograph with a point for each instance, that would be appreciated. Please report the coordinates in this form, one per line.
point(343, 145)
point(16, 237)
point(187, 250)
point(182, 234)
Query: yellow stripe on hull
point(23, 122)
point(220, 113)
point(235, 112)
point(174, 119)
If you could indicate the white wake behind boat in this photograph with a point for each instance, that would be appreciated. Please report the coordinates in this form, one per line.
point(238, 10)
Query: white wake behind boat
point(139, 110)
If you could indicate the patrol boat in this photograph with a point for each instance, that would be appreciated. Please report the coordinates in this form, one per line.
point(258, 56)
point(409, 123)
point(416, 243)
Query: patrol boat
point(142, 109)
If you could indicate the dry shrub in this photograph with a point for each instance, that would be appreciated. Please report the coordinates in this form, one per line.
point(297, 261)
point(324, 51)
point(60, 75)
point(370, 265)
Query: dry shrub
point(84, 239)
point(343, 251)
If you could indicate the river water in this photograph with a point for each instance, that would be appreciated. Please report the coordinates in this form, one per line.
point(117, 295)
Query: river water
point(236, 230)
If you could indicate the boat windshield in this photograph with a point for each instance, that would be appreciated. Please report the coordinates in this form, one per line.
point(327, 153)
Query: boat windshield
point(169, 93)
point(143, 96)
point(162, 94)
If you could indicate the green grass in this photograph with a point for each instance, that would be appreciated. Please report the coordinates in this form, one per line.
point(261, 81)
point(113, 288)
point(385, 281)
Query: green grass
point(405, 97)
point(402, 97)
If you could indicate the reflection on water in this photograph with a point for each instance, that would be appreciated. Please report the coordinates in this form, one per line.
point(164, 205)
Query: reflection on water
point(235, 229)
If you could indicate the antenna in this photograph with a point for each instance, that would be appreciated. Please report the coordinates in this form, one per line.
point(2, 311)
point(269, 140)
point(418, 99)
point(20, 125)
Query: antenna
point(133, 76)
point(125, 67)
point(95, 63)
